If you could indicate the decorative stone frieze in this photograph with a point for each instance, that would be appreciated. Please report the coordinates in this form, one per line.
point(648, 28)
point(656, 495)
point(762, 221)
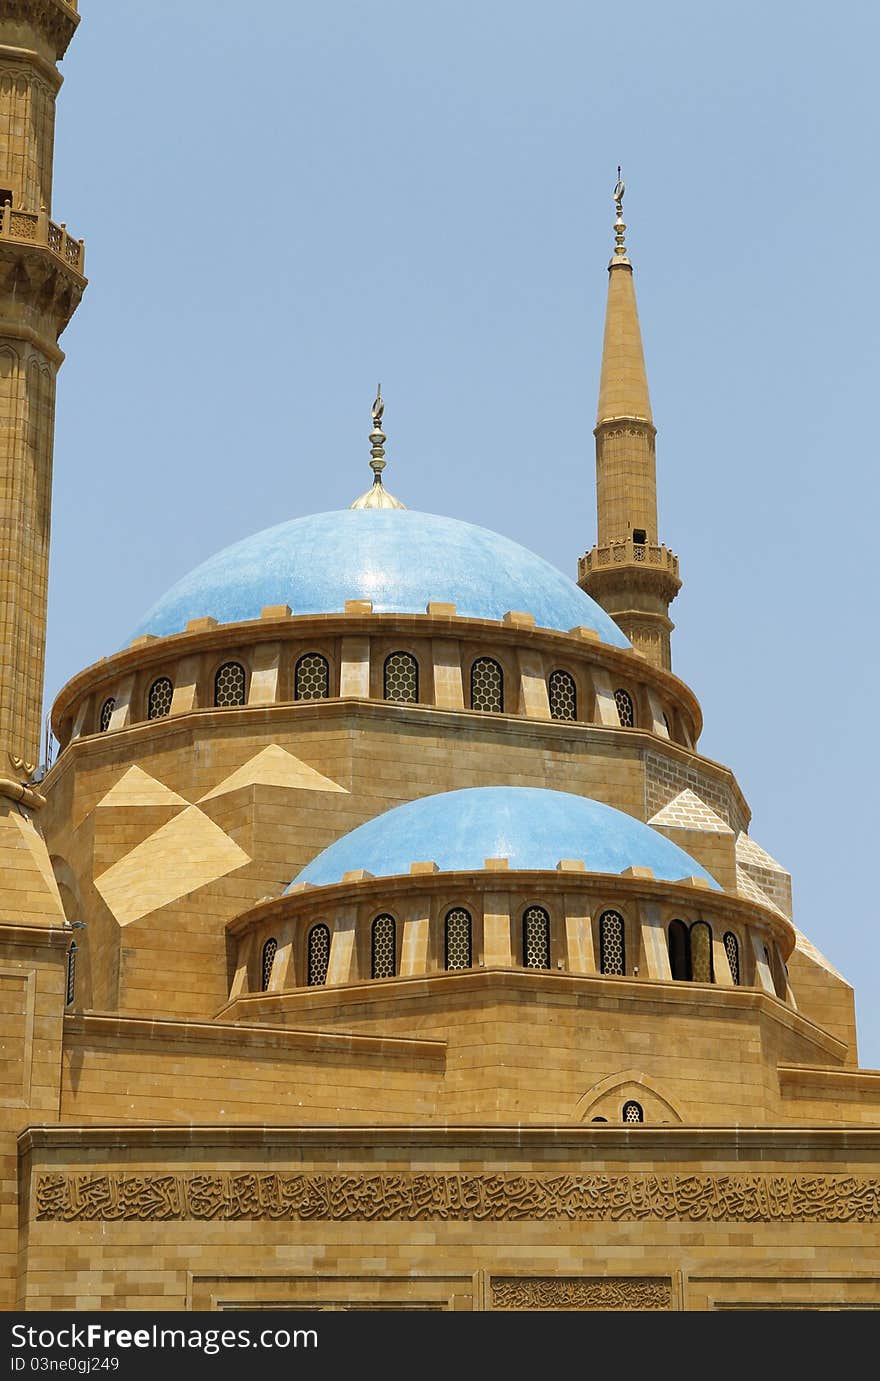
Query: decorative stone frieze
point(297, 1197)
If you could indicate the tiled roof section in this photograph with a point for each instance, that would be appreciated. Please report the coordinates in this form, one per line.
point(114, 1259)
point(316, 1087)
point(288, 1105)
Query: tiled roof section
point(770, 876)
point(748, 888)
point(748, 853)
point(274, 766)
point(687, 812)
point(807, 947)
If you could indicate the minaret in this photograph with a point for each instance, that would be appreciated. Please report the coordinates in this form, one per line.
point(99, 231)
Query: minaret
point(628, 572)
point(41, 282)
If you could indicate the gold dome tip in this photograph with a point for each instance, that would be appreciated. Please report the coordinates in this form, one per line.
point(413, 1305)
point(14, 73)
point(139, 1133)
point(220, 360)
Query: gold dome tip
point(619, 256)
point(377, 495)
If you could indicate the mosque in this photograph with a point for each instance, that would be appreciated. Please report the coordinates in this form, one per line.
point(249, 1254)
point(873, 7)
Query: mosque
point(380, 937)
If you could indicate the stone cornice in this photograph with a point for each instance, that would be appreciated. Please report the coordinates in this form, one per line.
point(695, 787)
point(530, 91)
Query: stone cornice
point(624, 421)
point(57, 19)
point(183, 726)
point(537, 882)
point(14, 330)
point(12, 933)
point(19, 792)
point(26, 57)
point(596, 1140)
point(626, 995)
point(161, 651)
point(95, 1027)
point(625, 578)
point(830, 1080)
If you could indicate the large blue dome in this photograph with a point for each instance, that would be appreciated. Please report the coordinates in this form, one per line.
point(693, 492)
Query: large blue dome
point(397, 558)
point(530, 826)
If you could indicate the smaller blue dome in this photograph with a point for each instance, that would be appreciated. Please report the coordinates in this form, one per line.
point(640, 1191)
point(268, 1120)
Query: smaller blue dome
point(531, 826)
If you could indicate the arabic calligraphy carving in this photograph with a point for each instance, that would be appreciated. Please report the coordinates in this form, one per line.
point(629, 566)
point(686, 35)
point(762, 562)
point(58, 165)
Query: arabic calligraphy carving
point(151, 1197)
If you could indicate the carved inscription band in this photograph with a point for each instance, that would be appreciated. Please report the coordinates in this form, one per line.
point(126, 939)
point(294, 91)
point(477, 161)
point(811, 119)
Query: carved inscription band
point(573, 1292)
point(591, 1198)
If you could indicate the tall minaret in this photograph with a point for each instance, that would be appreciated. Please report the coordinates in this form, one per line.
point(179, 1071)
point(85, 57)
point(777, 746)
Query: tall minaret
point(628, 572)
point(41, 282)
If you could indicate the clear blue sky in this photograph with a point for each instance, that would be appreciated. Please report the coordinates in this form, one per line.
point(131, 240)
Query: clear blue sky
point(283, 203)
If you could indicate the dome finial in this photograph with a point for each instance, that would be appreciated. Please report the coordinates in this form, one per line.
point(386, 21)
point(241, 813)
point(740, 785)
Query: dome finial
point(619, 226)
point(377, 496)
point(378, 437)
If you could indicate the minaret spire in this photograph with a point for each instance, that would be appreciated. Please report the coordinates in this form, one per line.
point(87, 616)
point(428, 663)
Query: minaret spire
point(377, 495)
point(628, 571)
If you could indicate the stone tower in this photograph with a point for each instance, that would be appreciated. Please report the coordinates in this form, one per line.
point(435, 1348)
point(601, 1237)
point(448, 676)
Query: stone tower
point(629, 572)
point(41, 282)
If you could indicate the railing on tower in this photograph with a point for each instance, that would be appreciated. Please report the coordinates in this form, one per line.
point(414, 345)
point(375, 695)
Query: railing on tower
point(34, 227)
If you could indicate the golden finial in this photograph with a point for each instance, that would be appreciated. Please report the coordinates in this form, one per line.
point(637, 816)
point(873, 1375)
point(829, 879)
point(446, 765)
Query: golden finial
point(378, 437)
point(619, 226)
point(377, 496)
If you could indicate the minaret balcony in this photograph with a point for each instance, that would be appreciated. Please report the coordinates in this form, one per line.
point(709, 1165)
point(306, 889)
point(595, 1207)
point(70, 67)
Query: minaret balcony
point(627, 553)
point(35, 228)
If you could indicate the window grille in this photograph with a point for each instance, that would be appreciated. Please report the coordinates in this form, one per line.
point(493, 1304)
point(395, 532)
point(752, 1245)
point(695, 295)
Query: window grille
point(612, 955)
point(318, 955)
point(401, 678)
point(731, 945)
point(383, 954)
point(458, 931)
point(536, 938)
point(679, 950)
point(229, 685)
point(70, 990)
point(701, 953)
point(311, 677)
point(106, 714)
point(487, 686)
point(632, 1112)
point(159, 699)
point(625, 711)
point(563, 695)
point(270, 949)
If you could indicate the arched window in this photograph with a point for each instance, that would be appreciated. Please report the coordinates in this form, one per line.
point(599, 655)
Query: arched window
point(702, 970)
point(487, 686)
point(270, 949)
point(632, 1112)
point(679, 950)
point(731, 946)
point(457, 939)
point(318, 955)
point(401, 678)
point(229, 685)
point(625, 712)
point(311, 677)
point(106, 714)
point(70, 989)
point(563, 695)
point(159, 699)
point(690, 952)
point(383, 947)
point(612, 955)
point(777, 971)
point(536, 938)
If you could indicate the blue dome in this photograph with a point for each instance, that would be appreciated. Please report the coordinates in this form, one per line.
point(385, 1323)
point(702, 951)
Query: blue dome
point(397, 558)
point(531, 826)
